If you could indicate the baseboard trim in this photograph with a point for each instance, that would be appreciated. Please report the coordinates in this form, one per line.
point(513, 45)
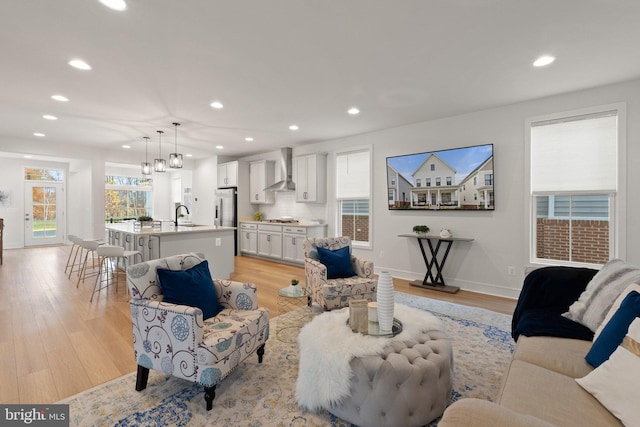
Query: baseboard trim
point(482, 288)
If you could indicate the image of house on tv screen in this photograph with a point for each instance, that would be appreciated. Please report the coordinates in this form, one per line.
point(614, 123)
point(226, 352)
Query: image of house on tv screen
point(456, 179)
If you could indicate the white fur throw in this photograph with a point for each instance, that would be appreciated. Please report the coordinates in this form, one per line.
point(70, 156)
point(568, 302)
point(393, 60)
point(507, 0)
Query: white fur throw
point(327, 345)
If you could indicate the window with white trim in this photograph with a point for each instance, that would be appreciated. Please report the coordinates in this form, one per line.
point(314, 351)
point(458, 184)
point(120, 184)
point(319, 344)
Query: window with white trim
point(573, 185)
point(127, 197)
point(353, 191)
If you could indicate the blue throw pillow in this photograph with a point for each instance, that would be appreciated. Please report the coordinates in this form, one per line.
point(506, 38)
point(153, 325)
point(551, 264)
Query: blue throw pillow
point(613, 334)
point(193, 287)
point(338, 262)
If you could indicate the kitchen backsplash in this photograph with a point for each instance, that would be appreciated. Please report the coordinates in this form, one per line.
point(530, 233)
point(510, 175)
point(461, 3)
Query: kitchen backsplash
point(285, 205)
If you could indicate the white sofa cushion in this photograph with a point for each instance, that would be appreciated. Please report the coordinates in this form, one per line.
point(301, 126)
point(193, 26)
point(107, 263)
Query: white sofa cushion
point(615, 382)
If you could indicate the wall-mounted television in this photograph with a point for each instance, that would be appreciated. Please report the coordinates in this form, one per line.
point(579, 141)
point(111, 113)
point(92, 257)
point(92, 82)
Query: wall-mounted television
point(454, 179)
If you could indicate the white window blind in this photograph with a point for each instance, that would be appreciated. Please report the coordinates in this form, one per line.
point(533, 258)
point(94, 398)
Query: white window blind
point(575, 154)
point(353, 176)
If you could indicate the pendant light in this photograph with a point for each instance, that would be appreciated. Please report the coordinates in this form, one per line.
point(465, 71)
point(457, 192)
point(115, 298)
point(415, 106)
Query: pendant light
point(175, 158)
point(146, 166)
point(160, 164)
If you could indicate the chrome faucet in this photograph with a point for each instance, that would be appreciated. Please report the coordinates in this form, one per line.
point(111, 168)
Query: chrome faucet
point(177, 209)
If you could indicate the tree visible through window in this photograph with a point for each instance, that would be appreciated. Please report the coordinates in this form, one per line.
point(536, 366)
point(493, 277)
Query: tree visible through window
point(126, 197)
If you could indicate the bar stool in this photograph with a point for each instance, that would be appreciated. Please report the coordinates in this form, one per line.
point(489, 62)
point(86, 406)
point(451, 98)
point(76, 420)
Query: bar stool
point(109, 257)
point(88, 247)
point(75, 247)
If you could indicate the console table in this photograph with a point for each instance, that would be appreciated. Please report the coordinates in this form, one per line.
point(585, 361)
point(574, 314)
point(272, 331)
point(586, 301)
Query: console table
point(431, 261)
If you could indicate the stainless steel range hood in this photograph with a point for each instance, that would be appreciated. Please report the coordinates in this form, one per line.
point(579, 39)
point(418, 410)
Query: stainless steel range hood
point(286, 170)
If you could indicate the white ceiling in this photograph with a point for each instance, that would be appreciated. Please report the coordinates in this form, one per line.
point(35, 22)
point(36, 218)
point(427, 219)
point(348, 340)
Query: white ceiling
point(277, 62)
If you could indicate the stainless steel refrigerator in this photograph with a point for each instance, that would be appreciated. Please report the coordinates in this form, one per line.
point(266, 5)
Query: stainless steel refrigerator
point(227, 211)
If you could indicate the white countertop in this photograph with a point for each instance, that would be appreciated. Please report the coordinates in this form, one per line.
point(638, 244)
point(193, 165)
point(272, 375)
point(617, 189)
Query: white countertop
point(287, 224)
point(167, 228)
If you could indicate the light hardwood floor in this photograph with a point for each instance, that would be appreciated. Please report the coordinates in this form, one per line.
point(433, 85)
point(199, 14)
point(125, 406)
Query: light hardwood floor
point(54, 343)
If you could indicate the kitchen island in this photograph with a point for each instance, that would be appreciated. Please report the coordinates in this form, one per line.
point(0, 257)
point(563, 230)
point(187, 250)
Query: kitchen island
point(216, 243)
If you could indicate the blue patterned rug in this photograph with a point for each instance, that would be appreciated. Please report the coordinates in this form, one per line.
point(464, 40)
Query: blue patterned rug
point(261, 395)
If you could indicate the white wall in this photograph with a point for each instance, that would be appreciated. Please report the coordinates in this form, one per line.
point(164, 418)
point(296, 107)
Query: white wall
point(499, 236)
point(205, 181)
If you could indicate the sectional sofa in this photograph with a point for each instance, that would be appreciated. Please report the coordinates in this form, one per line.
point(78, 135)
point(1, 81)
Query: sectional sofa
point(558, 311)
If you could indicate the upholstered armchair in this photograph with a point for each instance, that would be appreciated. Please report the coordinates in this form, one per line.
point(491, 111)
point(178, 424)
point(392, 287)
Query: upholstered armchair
point(332, 293)
point(176, 340)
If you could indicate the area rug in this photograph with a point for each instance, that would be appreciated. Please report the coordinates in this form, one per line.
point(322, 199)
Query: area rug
point(258, 395)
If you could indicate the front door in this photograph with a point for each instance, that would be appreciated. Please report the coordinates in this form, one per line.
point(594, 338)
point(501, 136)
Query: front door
point(44, 213)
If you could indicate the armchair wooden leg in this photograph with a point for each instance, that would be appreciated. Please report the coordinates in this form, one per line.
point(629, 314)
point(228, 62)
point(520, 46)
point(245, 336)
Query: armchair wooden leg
point(209, 395)
point(142, 377)
point(260, 352)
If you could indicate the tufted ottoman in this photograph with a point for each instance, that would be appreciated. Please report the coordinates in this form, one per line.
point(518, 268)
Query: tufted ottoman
point(409, 384)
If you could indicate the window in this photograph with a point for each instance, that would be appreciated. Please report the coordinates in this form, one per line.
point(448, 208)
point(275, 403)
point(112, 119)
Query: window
point(51, 175)
point(448, 180)
point(488, 179)
point(418, 182)
point(127, 197)
point(437, 182)
point(393, 181)
point(428, 182)
point(353, 180)
point(573, 184)
point(433, 167)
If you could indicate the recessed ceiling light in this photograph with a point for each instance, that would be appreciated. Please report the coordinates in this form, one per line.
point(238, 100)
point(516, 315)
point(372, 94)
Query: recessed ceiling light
point(248, 139)
point(49, 117)
point(219, 147)
point(217, 105)
point(79, 64)
point(293, 127)
point(27, 156)
point(114, 4)
point(543, 60)
point(40, 134)
point(189, 155)
point(353, 111)
point(126, 146)
point(60, 98)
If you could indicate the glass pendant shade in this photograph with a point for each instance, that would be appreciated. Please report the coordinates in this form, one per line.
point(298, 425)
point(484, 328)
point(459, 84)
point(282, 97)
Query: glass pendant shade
point(160, 164)
point(175, 158)
point(146, 166)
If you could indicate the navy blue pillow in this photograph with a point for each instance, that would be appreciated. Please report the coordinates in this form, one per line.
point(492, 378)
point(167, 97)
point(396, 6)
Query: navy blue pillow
point(613, 334)
point(193, 287)
point(338, 262)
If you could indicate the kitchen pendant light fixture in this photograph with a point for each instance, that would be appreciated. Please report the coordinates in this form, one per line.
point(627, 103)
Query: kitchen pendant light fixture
point(146, 166)
point(160, 164)
point(175, 158)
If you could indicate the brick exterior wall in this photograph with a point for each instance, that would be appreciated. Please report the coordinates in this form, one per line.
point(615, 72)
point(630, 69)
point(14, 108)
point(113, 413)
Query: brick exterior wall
point(590, 240)
point(356, 227)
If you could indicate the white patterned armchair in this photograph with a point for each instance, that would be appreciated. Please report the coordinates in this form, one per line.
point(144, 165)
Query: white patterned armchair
point(336, 293)
point(174, 338)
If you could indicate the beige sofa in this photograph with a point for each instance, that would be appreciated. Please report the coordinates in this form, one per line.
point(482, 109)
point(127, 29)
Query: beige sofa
point(539, 389)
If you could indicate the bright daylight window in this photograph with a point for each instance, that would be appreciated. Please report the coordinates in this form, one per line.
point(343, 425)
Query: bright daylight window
point(353, 179)
point(573, 184)
point(127, 197)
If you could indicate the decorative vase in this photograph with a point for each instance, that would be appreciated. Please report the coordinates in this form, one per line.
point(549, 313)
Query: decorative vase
point(385, 302)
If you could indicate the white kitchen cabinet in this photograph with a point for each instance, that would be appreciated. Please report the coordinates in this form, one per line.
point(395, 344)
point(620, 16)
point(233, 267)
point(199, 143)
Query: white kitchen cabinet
point(249, 238)
point(292, 238)
point(261, 175)
point(310, 176)
point(228, 174)
point(270, 240)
